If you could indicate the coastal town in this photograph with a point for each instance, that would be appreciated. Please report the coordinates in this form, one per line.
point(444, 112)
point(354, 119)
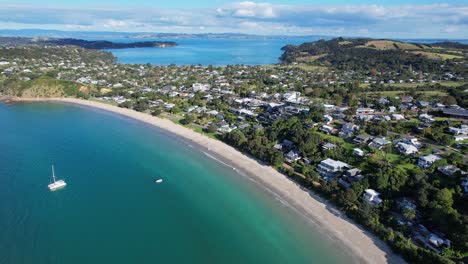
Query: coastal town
point(389, 148)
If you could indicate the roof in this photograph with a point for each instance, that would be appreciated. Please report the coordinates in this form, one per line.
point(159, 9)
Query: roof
point(458, 112)
point(431, 158)
point(372, 192)
point(334, 163)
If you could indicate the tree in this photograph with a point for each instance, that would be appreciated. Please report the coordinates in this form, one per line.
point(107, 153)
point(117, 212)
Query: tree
point(409, 213)
point(444, 198)
point(236, 138)
point(156, 112)
point(277, 159)
point(188, 119)
point(212, 129)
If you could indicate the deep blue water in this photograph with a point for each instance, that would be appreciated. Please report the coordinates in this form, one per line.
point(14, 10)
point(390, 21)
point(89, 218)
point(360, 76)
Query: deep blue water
point(218, 52)
point(207, 51)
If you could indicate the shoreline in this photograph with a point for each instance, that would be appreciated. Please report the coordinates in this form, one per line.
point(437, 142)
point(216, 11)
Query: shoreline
point(359, 243)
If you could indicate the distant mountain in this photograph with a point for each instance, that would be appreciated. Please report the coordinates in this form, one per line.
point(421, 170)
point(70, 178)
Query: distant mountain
point(20, 41)
point(137, 35)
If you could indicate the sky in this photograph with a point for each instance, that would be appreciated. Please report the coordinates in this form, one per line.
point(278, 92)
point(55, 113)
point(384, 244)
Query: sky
point(378, 18)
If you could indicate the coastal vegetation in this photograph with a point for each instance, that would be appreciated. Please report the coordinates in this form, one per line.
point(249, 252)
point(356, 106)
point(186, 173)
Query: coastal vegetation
point(87, 44)
point(380, 107)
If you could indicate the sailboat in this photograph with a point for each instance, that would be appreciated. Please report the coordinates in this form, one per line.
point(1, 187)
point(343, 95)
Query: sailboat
point(55, 185)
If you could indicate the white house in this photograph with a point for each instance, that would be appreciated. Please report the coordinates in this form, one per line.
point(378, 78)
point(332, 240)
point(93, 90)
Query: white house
point(198, 87)
point(427, 161)
point(358, 152)
point(292, 156)
point(379, 143)
point(292, 96)
point(426, 118)
point(372, 197)
point(330, 168)
point(412, 141)
point(397, 117)
point(460, 137)
point(406, 149)
point(328, 119)
point(463, 130)
point(327, 129)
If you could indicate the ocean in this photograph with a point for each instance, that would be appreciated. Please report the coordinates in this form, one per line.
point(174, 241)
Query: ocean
point(219, 52)
point(111, 211)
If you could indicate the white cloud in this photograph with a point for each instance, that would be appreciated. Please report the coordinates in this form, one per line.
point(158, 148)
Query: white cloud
point(436, 20)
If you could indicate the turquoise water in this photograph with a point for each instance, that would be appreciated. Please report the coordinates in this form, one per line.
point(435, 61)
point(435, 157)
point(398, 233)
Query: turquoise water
point(208, 51)
point(112, 212)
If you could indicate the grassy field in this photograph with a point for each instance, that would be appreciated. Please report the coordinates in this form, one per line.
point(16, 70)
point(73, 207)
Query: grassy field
point(437, 56)
point(390, 45)
point(398, 93)
point(308, 67)
point(415, 85)
point(197, 128)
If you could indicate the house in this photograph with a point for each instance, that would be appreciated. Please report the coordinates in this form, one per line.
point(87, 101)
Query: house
point(198, 87)
point(364, 111)
point(330, 168)
point(448, 170)
point(292, 156)
point(430, 240)
point(168, 106)
point(327, 129)
point(328, 119)
point(397, 117)
point(292, 97)
point(464, 185)
point(413, 141)
point(379, 143)
point(456, 113)
point(427, 161)
point(460, 138)
point(422, 104)
point(407, 99)
point(406, 149)
point(287, 144)
point(463, 130)
point(406, 204)
point(351, 176)
point(358, 152)
point(426, 118)
point(329, 146)
point(361, 139)
point(372, 197)
point(348, 130)
point(353, 173)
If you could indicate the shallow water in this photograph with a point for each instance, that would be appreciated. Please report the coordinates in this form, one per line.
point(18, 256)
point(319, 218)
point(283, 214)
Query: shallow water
point(112, 211)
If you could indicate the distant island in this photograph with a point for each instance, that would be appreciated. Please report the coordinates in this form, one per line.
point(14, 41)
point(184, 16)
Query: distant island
point(87, 44)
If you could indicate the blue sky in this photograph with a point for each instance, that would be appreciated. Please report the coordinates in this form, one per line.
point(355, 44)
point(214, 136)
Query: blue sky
point(396, 18)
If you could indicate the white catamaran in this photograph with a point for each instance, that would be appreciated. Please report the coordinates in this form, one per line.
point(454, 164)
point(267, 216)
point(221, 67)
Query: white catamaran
point(55, 185)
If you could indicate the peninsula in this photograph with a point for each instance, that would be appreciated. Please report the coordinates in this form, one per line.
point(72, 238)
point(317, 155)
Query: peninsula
point(87, 44)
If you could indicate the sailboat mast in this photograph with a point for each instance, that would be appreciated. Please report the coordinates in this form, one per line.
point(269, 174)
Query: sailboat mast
point(53, 173)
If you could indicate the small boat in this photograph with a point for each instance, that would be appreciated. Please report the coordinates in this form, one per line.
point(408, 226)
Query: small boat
point(55, 185)
point(158, 181)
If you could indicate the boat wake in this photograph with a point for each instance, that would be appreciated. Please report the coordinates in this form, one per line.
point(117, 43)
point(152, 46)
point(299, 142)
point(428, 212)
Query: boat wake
point(218, 160)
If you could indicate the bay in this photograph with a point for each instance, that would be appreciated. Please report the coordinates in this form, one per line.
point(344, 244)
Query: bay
point(111, 211)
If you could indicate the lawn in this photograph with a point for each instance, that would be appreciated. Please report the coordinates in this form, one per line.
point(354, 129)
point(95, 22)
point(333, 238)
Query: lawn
point(398, 93)
point(338, 140)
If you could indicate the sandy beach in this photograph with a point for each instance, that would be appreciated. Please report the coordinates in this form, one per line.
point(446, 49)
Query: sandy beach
point(365, 247)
